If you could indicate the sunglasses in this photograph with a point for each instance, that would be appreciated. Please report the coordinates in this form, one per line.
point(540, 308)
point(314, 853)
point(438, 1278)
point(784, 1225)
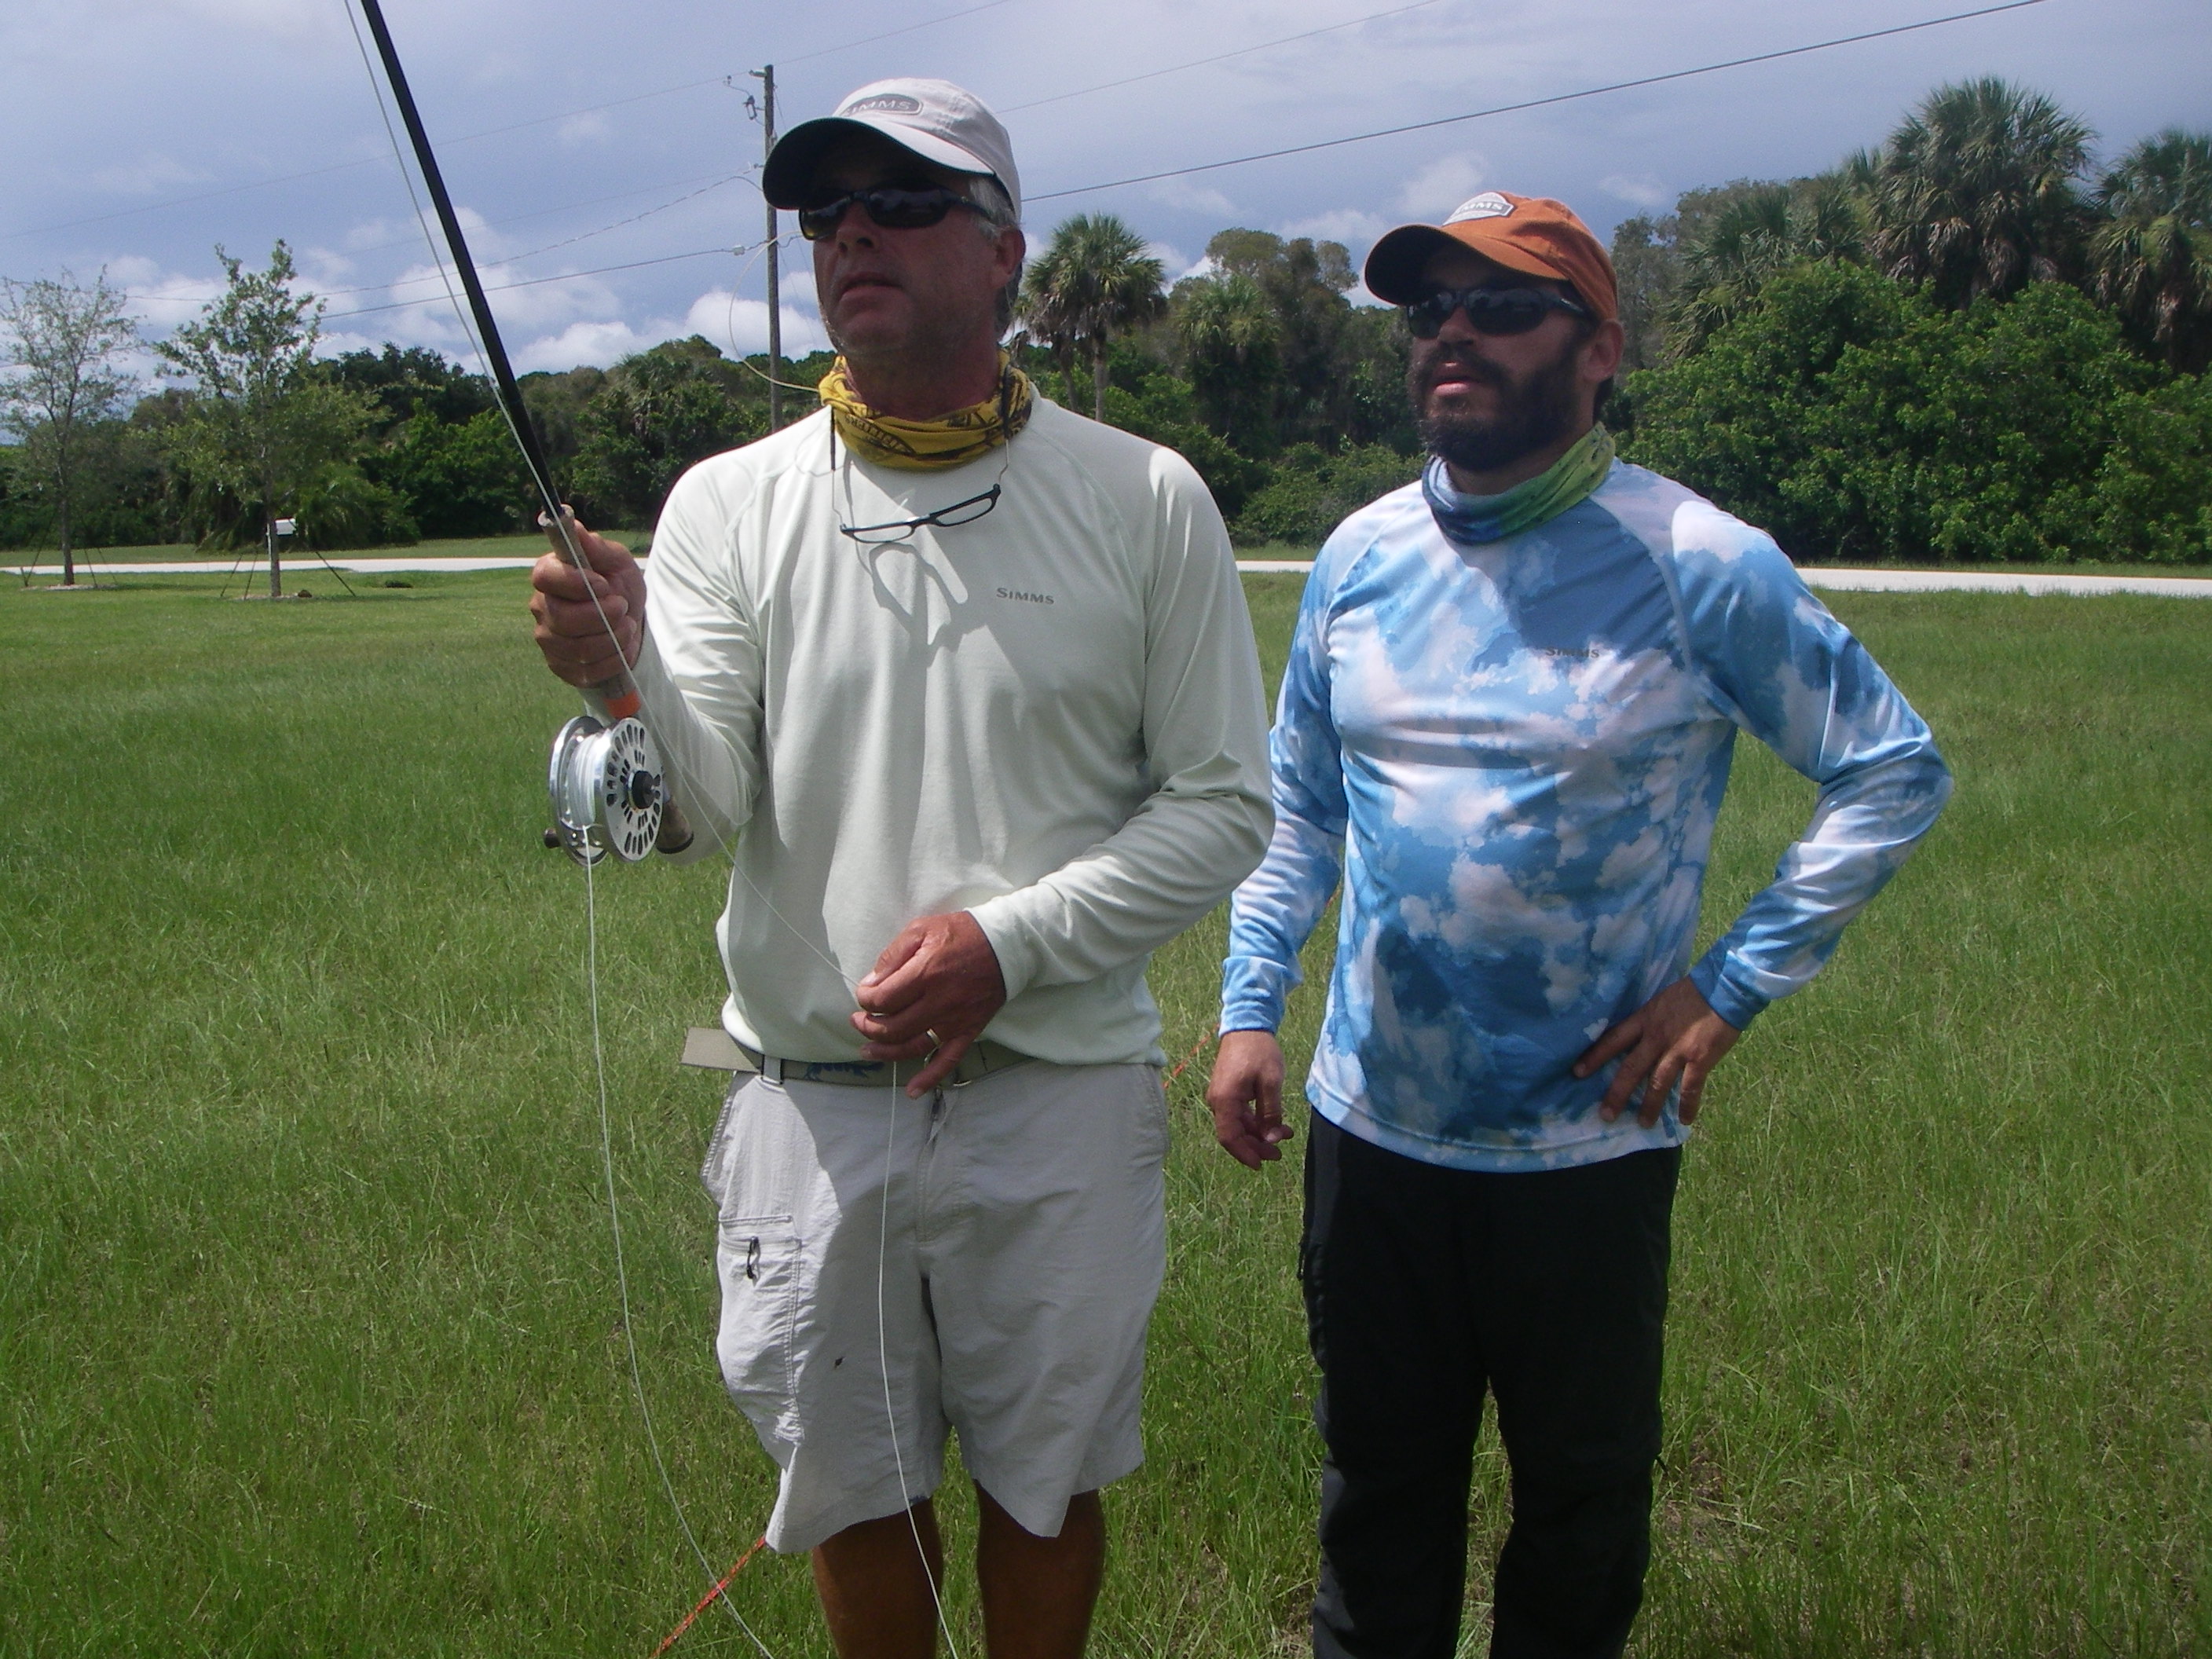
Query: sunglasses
point(888, 207)
point(1489, 310)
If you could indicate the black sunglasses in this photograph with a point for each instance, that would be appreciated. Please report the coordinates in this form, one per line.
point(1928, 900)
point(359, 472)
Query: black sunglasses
point(889, 207)
point(1489, 310)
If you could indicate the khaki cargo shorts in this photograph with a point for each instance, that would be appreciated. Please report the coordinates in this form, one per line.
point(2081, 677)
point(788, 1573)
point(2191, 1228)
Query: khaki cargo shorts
point(990, 1254)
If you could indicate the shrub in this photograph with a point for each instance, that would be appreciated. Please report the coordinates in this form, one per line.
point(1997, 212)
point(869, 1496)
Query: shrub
point(340, 506)
point(1849, 416)
point(1312, 491)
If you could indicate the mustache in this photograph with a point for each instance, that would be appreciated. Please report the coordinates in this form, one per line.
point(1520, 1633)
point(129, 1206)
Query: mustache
point(852, 279)
point(1466, 367)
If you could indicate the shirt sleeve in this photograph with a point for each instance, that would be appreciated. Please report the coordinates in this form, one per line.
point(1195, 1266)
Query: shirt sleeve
point(1787, 672)
point(1205, 824)
point(699, 670)
point(1276, 908)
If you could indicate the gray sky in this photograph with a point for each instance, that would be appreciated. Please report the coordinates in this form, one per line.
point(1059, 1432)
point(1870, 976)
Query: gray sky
point(142, 132)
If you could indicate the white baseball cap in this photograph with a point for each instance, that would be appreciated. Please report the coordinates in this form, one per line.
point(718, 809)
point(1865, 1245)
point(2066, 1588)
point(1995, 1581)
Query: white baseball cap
point(934, 119)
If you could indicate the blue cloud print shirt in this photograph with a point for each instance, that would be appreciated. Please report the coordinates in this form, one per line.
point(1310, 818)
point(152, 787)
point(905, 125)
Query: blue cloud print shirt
point(1511, 753)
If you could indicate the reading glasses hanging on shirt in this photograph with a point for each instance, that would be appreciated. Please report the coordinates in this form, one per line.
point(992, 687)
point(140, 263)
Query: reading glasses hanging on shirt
point(945, 517)
point(894, 531)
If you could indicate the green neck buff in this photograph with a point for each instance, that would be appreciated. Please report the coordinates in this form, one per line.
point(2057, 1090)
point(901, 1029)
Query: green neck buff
point(1478, 519)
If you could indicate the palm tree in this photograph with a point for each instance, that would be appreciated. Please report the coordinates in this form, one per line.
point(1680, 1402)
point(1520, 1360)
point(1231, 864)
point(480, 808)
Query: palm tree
point(1231, 345)
point(2150, 258)
point(1762, 229)
point(1977, 192)
point(1094, 282)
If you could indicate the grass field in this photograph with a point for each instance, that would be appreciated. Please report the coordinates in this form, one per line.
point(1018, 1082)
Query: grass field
point(308, 1335)
point(308, 565)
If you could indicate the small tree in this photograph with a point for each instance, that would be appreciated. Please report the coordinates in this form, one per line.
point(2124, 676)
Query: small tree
point(1231, 351)
point(61, 343)
point(1977, 192)
point(1094, 283)
point(265, 421)
point(2150, 258)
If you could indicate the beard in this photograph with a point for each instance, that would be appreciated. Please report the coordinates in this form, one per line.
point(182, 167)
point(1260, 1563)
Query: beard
point(1534, 410)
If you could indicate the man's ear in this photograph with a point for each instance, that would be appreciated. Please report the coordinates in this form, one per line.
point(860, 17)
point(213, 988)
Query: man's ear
point(1601, 352)
point(1013, 248)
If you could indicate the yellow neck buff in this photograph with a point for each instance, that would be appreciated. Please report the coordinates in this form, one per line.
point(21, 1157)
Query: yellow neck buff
point(949, 440)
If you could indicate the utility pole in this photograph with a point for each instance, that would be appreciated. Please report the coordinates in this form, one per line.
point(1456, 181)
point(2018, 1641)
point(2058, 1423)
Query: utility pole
point(766, 76)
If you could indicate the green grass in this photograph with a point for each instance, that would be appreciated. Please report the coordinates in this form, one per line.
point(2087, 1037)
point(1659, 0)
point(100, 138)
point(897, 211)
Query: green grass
point(308, 1335)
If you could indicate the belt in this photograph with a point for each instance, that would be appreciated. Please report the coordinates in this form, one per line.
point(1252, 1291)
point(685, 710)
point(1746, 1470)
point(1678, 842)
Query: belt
point(982, 1059)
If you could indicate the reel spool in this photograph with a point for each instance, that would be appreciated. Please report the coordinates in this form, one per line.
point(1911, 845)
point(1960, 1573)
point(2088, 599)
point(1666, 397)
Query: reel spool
point(607, 790)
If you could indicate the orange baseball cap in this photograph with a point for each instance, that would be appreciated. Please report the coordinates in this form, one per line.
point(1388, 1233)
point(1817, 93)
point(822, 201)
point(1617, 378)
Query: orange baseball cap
point(1533, 234)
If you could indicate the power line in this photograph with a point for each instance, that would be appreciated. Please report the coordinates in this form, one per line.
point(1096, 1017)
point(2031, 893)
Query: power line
point(488, 132)
point(362, 161)
point(1539, 103)
point(534, 281)
point(582, 236)
point(1217, 58)
point(869, 41)
point(514, 258)
point(707, 178)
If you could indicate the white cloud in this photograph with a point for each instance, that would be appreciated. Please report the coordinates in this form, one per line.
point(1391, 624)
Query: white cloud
point(290, 20)
point(1442, 186)
point(1641, 190)
point(160, 299)
point(739, 327)
point(580, 130)
point(1352, 227)
point(1172, 259)
point(600, 344)
point(371, 234)
point(1191, 198)
point(148, 176)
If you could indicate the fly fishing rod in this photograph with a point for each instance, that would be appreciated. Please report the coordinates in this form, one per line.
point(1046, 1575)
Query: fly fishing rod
point(605, 783)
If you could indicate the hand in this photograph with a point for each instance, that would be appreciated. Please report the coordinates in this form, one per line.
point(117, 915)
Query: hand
point(1245, 1095)
point(932, 992)
point(1676, 1037)
point(569, 630)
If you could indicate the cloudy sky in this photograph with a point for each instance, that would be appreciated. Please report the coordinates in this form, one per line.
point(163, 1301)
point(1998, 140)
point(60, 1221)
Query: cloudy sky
point(605, 157)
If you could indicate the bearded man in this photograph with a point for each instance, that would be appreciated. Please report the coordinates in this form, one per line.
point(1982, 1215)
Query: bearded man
point(969, 682)
point(1506, 724)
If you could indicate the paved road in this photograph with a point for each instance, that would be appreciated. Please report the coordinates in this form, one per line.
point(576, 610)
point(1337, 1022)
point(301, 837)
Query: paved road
point(1888, 582)
point(1929, 581)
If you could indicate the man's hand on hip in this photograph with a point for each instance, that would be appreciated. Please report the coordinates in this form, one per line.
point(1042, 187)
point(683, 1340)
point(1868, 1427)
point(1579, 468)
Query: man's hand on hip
point(570, 631)
point(932, 992)
point(1676, 1037)
point(1245, 1095)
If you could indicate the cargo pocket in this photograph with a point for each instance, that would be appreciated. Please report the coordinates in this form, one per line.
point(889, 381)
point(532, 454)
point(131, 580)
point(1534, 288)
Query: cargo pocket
point(713, 1167)
point(762, 1270)
point(1151, 1138)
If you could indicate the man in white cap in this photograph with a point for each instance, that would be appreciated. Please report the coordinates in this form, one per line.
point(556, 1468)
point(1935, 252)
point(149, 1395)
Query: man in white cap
point(1505, 727)
point(968, 682)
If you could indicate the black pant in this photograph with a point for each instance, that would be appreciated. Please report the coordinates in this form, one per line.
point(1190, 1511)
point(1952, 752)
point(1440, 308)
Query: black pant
point(1423, 1286)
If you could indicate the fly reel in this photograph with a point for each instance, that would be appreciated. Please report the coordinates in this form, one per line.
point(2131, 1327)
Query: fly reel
point(607, 790)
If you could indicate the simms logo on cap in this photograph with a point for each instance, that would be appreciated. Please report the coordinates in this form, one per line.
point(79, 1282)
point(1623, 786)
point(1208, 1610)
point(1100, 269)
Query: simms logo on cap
point(1488, 206)
point(889, 103)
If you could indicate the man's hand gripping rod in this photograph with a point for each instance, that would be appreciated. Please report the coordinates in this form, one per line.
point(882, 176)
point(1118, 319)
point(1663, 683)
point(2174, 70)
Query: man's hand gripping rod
point(606, 784)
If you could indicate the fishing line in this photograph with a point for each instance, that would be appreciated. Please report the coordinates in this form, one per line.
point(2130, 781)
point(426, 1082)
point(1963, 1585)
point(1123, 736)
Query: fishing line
point(590, 912)
point(507, 396)
point(621, 1269)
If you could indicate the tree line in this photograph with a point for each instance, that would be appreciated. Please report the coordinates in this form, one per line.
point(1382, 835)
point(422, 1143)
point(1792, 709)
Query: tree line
point(1967, 343)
